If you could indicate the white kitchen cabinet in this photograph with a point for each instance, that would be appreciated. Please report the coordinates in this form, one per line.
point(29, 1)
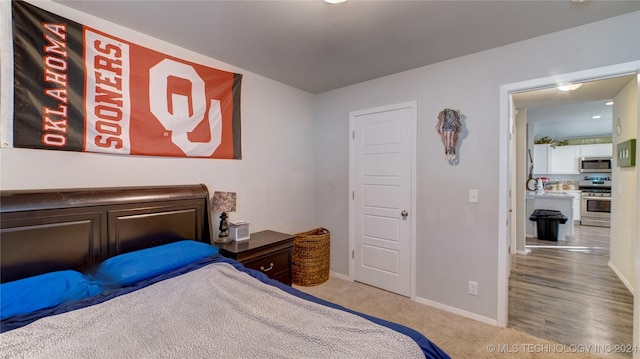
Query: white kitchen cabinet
point(577, 197)
point(558, 160)
point(564, 160)
point(597, 150)
point(541, 159)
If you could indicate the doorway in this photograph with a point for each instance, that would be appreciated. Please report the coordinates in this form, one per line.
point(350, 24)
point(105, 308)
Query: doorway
point(592, 298)
point(382, 206)
point(505, 242)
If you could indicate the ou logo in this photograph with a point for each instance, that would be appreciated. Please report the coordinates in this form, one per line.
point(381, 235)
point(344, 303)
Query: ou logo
point(180, 122)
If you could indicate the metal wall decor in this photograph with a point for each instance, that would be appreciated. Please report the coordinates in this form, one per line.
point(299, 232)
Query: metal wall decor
point(618, 128)
point(449, 127)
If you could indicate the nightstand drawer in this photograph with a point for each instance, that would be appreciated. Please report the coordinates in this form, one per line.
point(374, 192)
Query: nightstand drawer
point(271, 264)
point(284, 277)
point(266, 251)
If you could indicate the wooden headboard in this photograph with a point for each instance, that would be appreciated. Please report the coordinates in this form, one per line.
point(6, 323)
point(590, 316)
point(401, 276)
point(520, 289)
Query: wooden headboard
point(49, 230)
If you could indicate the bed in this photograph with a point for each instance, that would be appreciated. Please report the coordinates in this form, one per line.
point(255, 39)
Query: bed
point(131, 272)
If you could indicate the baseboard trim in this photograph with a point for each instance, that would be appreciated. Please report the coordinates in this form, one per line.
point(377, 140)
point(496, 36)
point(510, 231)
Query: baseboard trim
point(457, 311)
point(622, 278)
point(434, 304)
point(340, 276)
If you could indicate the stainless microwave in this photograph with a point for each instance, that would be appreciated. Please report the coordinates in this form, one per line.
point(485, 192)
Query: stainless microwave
point(595, 164)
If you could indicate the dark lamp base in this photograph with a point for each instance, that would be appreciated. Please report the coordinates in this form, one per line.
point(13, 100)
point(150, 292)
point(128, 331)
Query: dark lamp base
point(222, 240)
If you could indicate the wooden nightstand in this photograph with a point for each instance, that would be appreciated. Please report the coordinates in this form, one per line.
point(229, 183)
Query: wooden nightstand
point(266, 251)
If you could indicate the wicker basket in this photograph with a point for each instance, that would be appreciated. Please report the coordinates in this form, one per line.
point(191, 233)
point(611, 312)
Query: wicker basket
point(311, 259)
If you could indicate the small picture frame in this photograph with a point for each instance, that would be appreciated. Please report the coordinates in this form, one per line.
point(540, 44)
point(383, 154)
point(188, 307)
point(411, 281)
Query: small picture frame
point(626, 153)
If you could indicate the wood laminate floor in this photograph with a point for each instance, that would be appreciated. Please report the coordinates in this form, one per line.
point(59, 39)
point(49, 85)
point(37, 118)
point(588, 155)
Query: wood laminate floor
point(565, 291)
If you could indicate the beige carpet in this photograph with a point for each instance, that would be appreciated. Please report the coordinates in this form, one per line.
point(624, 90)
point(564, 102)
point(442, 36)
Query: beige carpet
point(460, 337)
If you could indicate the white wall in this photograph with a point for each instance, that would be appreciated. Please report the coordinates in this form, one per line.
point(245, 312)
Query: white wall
point(456, 241)
point(624, 196)
point(274, 180)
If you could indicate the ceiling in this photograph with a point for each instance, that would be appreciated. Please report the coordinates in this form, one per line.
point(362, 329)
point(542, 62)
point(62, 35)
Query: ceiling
point(604, 89)
point(317, 47)
point(559, 114)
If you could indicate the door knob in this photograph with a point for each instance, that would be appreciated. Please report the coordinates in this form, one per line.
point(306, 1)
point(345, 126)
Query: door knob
point(404, 213)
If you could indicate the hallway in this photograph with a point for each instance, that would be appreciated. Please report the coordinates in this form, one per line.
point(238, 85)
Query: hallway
point(565, 291)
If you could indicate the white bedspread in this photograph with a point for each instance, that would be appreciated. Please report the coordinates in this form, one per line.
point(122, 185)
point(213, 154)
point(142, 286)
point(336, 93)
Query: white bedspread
point(213, 312)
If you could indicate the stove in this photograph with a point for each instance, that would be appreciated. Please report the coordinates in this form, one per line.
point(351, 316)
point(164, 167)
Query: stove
point(596, 201)
point(595, 182)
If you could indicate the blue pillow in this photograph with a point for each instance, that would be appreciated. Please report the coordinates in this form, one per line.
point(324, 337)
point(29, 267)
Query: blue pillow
point(129, 268)
point(44, 291)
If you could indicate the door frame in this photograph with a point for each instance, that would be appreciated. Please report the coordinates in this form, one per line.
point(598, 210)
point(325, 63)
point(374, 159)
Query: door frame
point(413, 105)
point(503, 174)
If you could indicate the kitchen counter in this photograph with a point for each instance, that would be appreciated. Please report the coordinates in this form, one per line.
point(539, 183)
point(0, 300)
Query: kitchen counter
point(556, 201)
point(558, 195)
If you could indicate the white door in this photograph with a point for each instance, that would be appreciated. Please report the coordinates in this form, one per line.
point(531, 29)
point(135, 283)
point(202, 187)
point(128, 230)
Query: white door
point(382, 208)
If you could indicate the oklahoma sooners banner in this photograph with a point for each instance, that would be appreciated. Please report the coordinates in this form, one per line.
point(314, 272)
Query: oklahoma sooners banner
point(79, 89)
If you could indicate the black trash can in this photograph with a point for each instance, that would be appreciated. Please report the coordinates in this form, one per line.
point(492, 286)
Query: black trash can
point(548, 222)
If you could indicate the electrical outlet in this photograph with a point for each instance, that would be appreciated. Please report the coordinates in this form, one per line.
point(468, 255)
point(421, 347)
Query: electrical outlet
point(473, 288)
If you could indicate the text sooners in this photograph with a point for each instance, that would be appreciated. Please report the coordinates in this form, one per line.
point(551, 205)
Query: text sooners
point(107, 94)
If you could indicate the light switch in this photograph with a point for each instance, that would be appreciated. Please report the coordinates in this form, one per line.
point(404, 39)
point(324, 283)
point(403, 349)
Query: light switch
point(473, 196)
